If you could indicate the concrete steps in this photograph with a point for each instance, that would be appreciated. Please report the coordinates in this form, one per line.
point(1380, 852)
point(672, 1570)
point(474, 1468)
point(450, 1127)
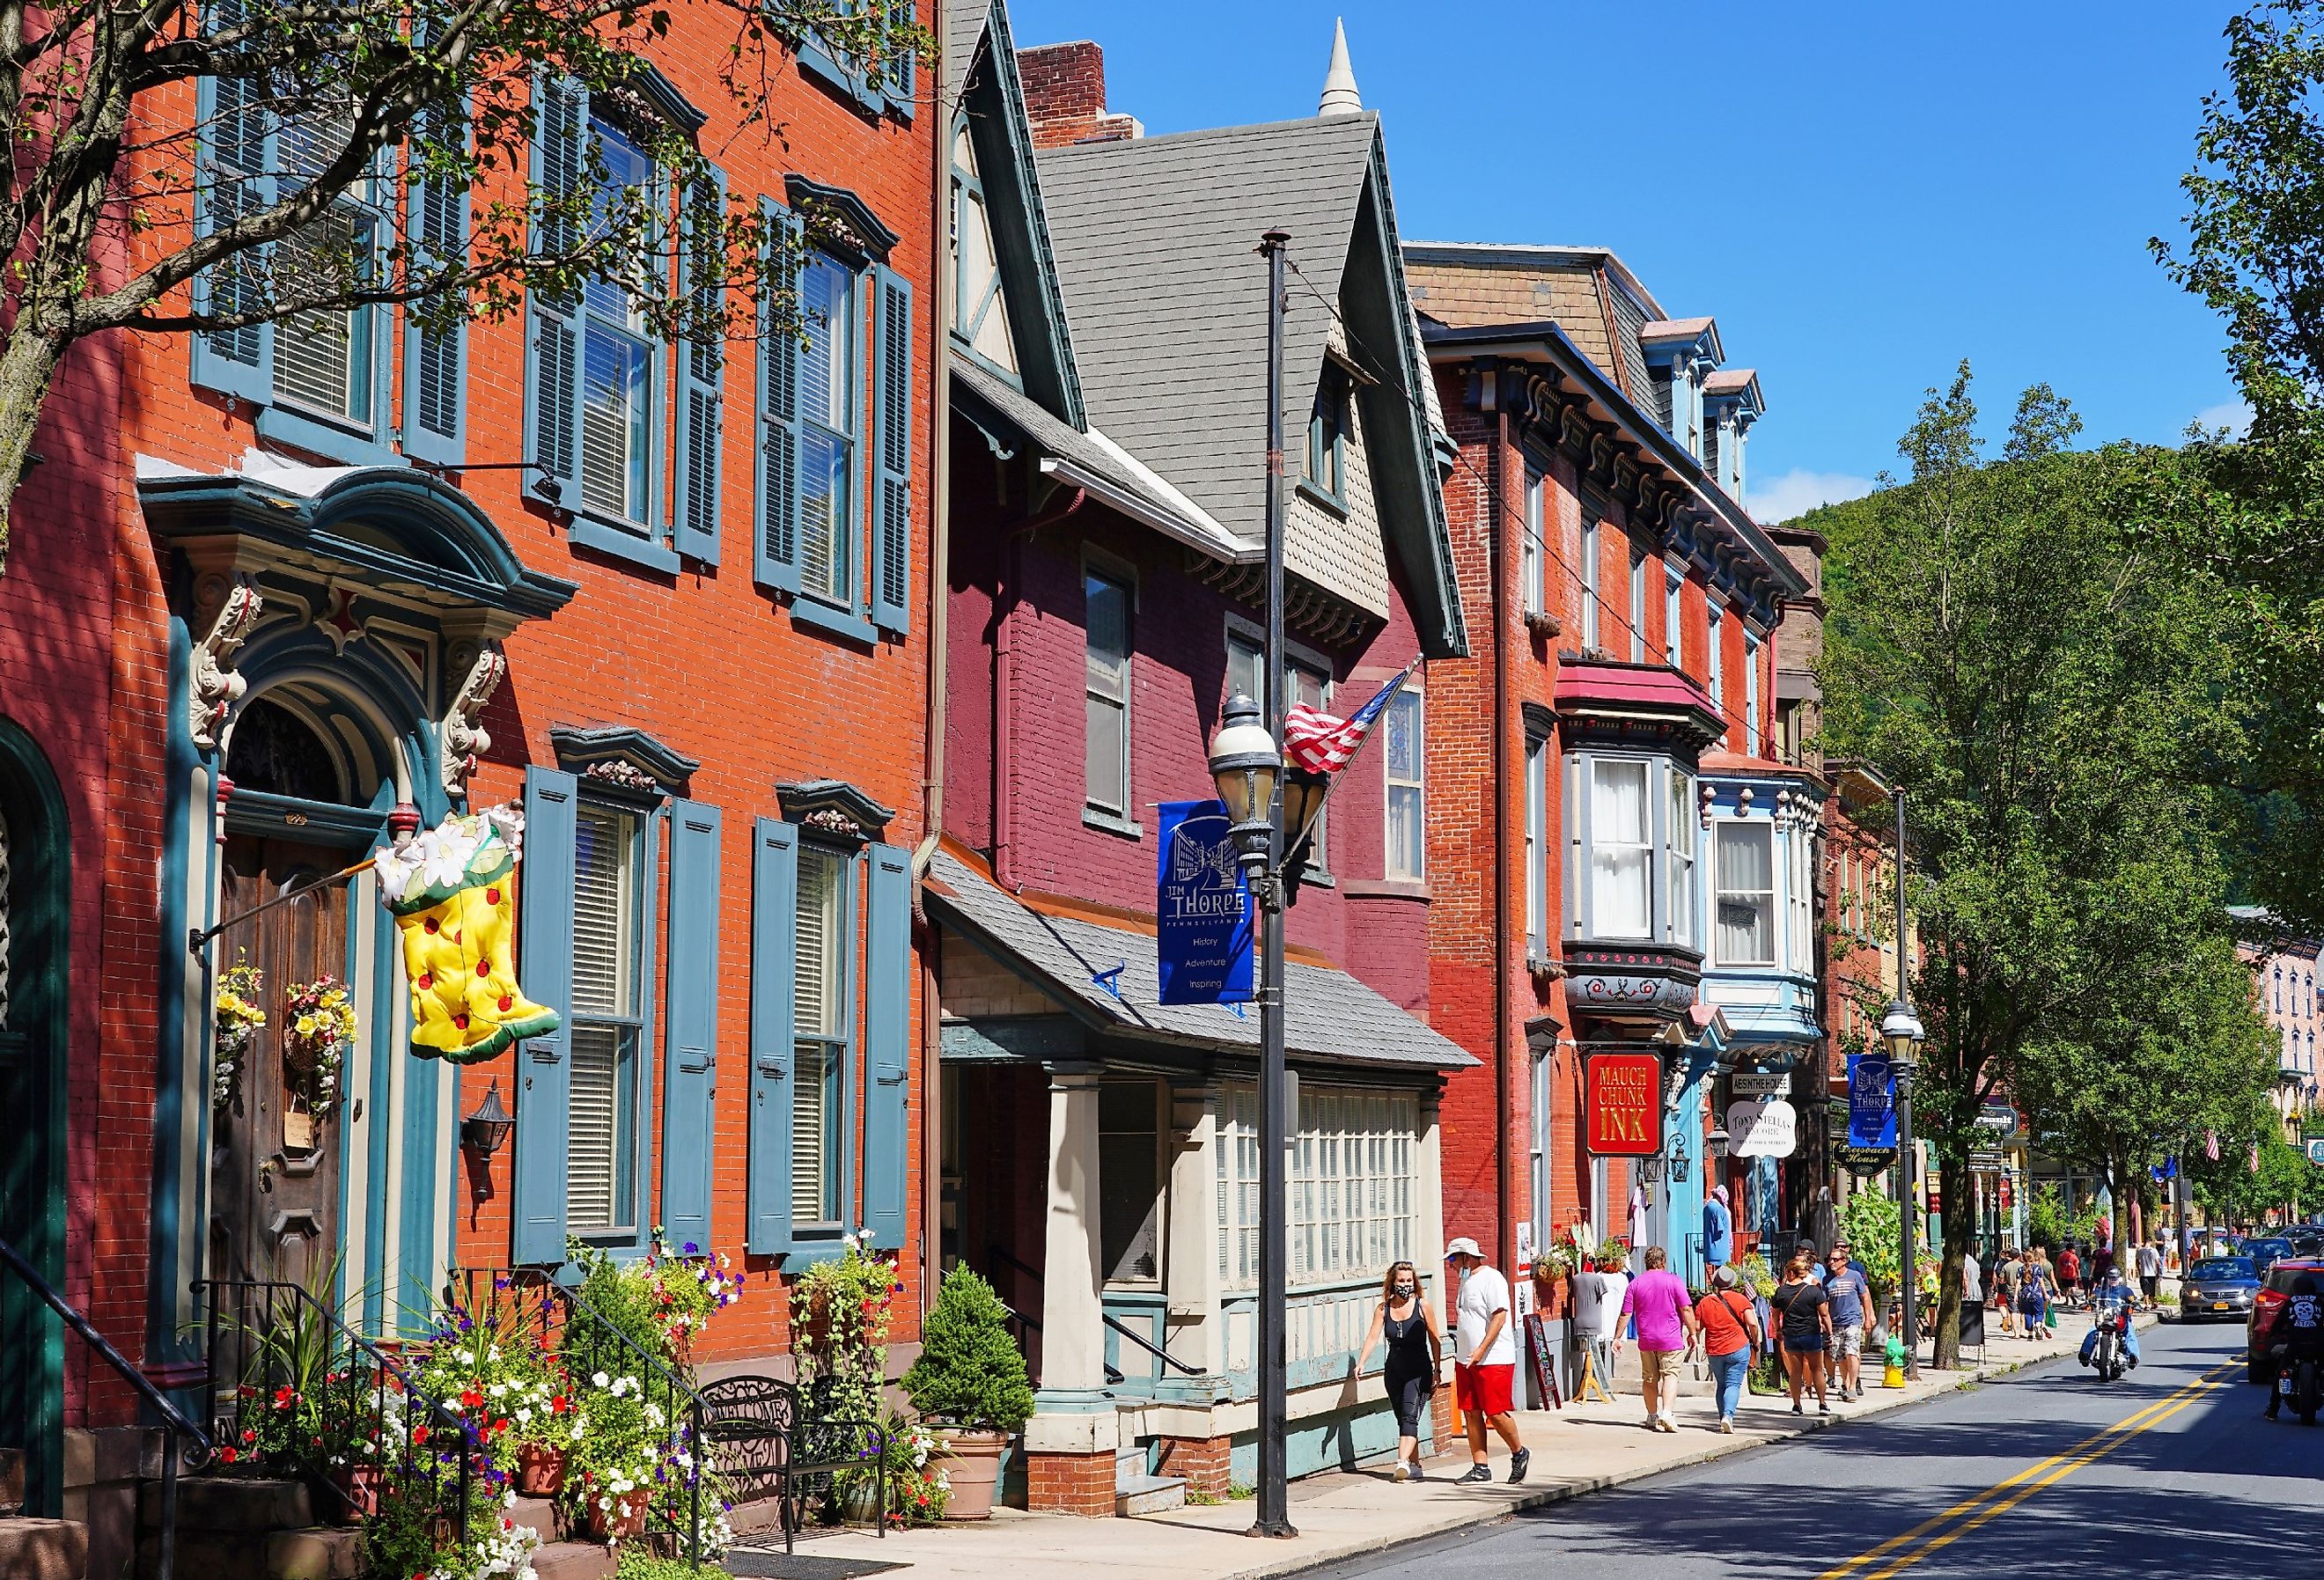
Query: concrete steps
point(43, 1549)
point(235, 1528)
point(1147, 1494)
point(572, 1560)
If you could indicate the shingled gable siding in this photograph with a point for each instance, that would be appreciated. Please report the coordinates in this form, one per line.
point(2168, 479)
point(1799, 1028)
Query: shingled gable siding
point(662, 654)
point(1177, 675)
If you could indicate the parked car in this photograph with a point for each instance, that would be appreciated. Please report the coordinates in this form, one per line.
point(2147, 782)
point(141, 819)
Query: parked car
point(2306, 1240)
point(2218, 1288)
point(2268, 1305)
point(2265, 1251)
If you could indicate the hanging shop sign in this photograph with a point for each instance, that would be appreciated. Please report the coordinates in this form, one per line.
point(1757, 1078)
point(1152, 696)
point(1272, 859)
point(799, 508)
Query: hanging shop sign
point(1871, 1101)
point(451, 892)
point(1754, 1084)
point(2000, 1117)
point(2316, 1150)
point(1202, 935)
point(1762, 1127)
point(1623, 1102)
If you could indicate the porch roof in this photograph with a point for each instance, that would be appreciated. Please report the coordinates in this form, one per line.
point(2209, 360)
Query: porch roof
point(1333, 1018)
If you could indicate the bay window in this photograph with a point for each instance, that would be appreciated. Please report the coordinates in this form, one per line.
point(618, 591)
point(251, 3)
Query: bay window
point(1678, 838)
point(1744, 872)
point(1620, 850)
point(1799, 899)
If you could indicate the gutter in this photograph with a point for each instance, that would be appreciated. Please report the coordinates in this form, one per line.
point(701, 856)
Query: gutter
point(1503, 1083)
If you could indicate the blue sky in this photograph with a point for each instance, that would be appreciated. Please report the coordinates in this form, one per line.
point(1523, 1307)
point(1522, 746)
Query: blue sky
point(1863, 194)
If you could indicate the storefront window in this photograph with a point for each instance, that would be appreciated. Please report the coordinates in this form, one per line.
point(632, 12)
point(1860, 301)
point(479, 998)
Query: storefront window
point(1745, 876)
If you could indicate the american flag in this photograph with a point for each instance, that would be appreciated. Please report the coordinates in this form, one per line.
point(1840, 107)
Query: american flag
point(1322, 744)
point(2211, 1145)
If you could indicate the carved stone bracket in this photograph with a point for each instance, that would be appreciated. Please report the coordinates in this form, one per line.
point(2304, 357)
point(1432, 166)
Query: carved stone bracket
point(463, 738)
point(225, 611)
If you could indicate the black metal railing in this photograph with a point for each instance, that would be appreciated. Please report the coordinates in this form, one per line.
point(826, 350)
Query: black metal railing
point(588, 1343)
point(1151, 1348)
point(292, 1391)
point(183, 1444)
point(1028, 1325)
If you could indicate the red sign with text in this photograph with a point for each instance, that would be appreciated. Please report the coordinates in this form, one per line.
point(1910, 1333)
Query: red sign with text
point(1624, 1103)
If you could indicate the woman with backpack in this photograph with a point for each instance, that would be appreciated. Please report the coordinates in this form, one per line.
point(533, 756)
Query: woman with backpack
point(2035, 1285)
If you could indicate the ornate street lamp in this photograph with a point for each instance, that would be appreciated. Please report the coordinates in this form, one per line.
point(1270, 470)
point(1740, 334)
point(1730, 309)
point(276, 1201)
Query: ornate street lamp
point(1901, 1031)
point(1245, 763)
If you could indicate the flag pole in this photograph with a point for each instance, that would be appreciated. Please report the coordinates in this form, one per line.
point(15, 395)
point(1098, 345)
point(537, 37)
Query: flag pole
point(1332, 781)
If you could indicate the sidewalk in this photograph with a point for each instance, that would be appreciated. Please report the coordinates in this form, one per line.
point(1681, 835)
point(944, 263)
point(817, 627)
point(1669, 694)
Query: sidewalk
point(1580, 1449)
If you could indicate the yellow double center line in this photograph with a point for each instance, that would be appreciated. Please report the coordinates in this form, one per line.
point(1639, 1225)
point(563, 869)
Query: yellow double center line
point(1998, 1499)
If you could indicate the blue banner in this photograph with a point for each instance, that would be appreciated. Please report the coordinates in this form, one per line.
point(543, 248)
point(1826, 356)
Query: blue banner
point(1203, 935)
point(1871, 1101)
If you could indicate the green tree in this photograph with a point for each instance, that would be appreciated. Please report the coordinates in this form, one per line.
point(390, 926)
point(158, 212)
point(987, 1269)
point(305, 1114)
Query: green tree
point(1874, 1236)
point(2246, 513)
point(2000, 647)
point(330, 108)
point(970, 1372)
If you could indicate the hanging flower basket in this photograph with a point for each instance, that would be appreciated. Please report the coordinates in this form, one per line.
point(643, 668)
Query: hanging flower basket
point(237, 1018)
point(318, 1025)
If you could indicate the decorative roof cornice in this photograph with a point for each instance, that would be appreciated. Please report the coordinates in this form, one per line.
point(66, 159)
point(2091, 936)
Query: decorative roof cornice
point(834, 807)
point(623, 758)
point(859, 227)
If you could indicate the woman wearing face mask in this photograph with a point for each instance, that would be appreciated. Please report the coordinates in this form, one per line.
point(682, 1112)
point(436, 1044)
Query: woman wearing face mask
point(1415, 1356)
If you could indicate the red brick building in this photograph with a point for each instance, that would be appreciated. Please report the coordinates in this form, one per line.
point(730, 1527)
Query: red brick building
point(1623, 609)
point(287, 588)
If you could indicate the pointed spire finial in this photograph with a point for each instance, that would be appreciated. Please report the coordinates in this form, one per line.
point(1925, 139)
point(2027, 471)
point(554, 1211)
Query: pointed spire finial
point(1340, 94)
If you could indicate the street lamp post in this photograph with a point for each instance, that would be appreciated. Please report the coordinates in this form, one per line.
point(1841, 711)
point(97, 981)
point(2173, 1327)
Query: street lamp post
point(1901, 1029)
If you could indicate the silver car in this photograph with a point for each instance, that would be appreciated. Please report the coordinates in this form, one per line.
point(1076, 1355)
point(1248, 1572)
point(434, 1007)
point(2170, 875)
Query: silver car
point(2218, 1288)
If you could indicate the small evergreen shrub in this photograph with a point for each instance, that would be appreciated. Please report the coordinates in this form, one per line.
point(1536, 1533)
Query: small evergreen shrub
point(969, 1372)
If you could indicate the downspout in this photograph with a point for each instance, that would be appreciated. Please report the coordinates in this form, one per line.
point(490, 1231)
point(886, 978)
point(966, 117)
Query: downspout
point(1004, 681)
point(1503, 1076)
point(931, 1081)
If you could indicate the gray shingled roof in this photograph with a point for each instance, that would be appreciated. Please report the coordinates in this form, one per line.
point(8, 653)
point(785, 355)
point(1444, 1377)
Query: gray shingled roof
point(1333, 1018)
point(1158, 250)
point(1090, 460)
point(963, 29)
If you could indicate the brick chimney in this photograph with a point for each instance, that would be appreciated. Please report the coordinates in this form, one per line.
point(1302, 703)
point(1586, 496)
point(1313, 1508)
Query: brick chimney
point(1064, 95)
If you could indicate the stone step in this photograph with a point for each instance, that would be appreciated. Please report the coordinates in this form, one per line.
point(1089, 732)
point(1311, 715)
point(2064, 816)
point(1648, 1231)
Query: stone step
point(316, 1552)
point(321, 1552)
point(1148, 1494)
point(572, 1560)
point(230, 1503)
point(540, 1514)
point(43, 1549)
point(12, 1481)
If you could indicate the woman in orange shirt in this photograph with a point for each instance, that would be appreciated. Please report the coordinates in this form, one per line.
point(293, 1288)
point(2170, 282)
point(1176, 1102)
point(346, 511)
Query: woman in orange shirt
point(1730, 1333)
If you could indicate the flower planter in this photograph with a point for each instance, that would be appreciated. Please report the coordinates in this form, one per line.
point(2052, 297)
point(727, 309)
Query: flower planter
point(973, 1467)
point(359, 1488)
point(624, 1522)
point(859, 1504)
point(539, 1470)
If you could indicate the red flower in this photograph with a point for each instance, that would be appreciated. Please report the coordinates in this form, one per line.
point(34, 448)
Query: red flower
point(420, 1434)
point(248, 1436)
point(558, 1405)
point(283, 1397)
point(229, 1454)
point(471, 1398)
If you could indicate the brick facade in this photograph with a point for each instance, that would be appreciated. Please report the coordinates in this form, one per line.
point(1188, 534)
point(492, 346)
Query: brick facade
point(1070, 1483)
point(1205, 1463)
point(1064, 95)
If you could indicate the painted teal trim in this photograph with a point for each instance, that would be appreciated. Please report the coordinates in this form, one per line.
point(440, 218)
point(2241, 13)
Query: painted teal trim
point(820, 616)
point(353, 444)
point(163, 1343)
point(423, 1080)
point(379, 1118)
point(639, 545)
point(1340, 1440)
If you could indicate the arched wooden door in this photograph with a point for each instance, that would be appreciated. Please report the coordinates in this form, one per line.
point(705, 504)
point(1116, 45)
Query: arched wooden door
point(34, 870)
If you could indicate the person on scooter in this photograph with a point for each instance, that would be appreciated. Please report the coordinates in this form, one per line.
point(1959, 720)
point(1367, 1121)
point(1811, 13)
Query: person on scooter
point(2299, 1334)
point(2113, 1301)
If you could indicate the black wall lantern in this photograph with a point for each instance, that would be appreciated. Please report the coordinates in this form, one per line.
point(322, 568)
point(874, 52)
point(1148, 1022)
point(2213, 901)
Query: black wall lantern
point(484, 1131)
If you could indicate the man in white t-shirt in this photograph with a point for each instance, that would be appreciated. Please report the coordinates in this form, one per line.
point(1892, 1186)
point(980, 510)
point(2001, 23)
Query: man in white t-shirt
point(1485, 1359)
point(2150, 1271)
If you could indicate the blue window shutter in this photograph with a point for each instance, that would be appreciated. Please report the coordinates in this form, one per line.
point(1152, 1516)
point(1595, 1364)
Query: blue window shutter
point(436, 361)
point(544, 1065)
point(887, 1045)
point(892, 437)
point(903, 74)
point(701, 373)
point(776, 560)
point(690, 1033)
point(238, 148)
point(774, 919)
point(552, 408)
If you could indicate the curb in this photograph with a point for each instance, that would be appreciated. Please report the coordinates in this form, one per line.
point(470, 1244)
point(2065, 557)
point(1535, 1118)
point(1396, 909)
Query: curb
point(1545, 1497)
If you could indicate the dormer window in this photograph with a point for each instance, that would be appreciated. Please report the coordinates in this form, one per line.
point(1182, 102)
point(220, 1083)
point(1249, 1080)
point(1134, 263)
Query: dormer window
point(1327, 438)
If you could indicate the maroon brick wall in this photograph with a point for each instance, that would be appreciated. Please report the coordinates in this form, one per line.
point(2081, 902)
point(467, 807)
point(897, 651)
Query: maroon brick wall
point(1070, 1483)
point(1064, 94)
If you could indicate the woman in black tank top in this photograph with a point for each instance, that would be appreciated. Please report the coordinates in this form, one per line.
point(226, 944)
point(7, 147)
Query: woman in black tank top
point(1415, 1356)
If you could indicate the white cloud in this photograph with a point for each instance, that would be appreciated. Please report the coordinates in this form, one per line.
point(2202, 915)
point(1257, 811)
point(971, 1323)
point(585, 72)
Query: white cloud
point(2235, 416)
point(1799, 491)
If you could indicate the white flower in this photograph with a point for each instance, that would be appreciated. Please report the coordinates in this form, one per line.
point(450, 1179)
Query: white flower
point(601, 1379)
point(523, 1416)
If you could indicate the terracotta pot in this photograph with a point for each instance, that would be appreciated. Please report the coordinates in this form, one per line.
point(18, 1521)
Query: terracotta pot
point(625, 1519)
point(358, 1487)
point(1549, 1296)
point(539, 1470)
point(972, 1466)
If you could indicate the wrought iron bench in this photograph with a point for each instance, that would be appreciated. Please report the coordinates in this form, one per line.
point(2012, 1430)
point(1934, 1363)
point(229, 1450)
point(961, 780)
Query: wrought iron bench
point(766, 1447)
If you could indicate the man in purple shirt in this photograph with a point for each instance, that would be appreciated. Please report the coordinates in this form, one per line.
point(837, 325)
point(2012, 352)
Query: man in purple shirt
point(1657, 1298)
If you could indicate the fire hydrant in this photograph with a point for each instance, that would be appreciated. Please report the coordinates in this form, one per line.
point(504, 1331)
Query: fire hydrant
point(1895, 1375)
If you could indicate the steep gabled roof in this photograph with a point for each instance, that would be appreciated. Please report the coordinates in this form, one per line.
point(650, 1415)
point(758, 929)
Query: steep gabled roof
point(1157, 245)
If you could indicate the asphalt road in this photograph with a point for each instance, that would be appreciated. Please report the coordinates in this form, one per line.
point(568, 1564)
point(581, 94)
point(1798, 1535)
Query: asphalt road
point(2047, 1472)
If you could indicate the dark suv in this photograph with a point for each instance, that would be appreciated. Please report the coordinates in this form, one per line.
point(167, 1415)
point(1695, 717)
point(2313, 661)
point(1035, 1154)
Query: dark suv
point(2267, 1307)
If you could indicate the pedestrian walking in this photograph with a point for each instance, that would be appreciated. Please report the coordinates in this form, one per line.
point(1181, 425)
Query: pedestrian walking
point(1485, 1359)
point(1416, 1355)
point(1806, 1331)
point(1730, 1332)
point(2035, 1287)
point(2004, 1288)
point(1850, 1295)
point(2150, 1271)
point(2069, 1274)
point(1659, 1301)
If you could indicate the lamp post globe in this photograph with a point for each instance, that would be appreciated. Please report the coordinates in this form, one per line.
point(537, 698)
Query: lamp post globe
point(1245, 762)
point(1901, 1031)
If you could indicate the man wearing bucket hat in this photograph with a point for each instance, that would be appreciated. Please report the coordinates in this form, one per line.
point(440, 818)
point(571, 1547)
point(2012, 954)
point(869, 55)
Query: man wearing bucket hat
point(1484, 1358)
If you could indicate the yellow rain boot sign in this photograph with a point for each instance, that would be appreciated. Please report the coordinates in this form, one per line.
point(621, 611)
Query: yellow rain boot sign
point(449, 890)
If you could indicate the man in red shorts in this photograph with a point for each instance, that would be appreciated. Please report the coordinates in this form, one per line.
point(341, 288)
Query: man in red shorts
point(1484, 1359)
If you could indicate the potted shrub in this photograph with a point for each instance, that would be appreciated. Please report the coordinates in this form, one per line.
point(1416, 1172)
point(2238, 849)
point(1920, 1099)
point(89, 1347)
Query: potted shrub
point(970, 1382)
